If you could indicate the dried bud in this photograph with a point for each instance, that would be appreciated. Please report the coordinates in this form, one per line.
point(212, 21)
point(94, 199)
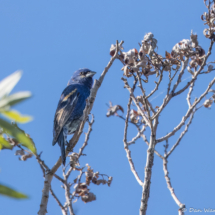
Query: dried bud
point(74, 160)
point(208, 103)
point(113, 49)
point(110, 179)
point(25, 157)
point(168, 55)
point(81, 189)
point(131, 56)
point(213, 97)
point(127, 71)
point(88, 174)
point(20, 152)
point(184, 45)
point(167, 66)
point(101, 181)
point(140, 99)
point(113, 110)
point(193, 38)
point(134, 116)
point(210, 68)
point(89, 197)
point(12, 141)
point(149, 36)
point(201, 51)
point(149, 43)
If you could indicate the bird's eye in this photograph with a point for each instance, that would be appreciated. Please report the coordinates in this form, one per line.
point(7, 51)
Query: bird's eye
point(83, 73)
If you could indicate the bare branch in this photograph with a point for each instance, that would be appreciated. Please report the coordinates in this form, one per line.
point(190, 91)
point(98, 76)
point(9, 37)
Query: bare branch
point(189, 94)
point(67, 195)
point(148, 173)
point(64, 212)
point(169, 185)
point(142, 135)
point(148, 169)
point(190, 110)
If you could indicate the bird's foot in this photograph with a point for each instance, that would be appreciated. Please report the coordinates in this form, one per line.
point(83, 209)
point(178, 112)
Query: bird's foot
point(69, 150)
point(48, 171)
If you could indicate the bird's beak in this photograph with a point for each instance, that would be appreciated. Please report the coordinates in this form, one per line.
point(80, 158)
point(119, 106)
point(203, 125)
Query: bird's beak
point(91, 74)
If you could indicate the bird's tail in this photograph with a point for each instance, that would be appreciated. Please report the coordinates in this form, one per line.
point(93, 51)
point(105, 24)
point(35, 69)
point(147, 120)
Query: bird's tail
point(61, 143)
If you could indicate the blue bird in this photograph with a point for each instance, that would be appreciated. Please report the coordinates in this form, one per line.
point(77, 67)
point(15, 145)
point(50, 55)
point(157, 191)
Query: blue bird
point(70, 108)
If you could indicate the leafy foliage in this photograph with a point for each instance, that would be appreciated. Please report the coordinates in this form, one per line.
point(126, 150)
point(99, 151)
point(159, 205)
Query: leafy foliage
point(6, 102)
point(7, 191)
point(11, 129)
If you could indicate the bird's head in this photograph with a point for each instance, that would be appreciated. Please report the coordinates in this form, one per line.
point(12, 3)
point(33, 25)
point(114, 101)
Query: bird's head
point(82, 76)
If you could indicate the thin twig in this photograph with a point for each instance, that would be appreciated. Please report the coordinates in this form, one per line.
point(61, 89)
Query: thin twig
point(169, 96)
point(59, 178)
point(182, 135)
point(157, 85)
point(139, 134)
point(128, 152)
point(67, 194)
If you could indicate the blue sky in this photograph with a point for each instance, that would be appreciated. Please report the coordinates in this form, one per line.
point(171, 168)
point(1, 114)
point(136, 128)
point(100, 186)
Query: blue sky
point(51, 39)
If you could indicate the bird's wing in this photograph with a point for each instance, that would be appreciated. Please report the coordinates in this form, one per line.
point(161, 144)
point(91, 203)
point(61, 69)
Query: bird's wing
point(66, 105)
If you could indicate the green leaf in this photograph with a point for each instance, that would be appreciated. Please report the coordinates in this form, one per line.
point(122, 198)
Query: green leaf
point(4, 143)
point(18, 135)
point(16, 116)
point(7, 84)
point(7, 191)
point(14, 99)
